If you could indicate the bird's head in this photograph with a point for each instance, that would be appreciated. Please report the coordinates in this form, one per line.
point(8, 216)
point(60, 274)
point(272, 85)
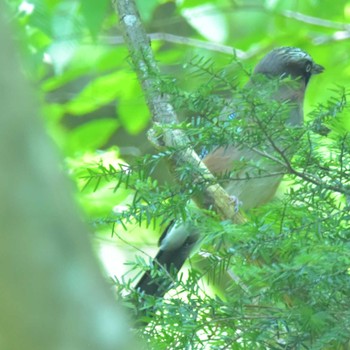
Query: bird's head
point(288, 62)
point(293, 68)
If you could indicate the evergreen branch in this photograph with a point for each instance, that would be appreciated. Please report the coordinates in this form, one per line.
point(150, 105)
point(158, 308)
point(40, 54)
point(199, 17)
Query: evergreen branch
point(162, 111)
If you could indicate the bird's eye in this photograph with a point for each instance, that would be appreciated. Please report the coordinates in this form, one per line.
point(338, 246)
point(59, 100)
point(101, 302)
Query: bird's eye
point(308, 67)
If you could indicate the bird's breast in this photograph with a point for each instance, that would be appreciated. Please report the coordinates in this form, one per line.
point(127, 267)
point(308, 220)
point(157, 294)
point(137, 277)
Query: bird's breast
point(253, 179)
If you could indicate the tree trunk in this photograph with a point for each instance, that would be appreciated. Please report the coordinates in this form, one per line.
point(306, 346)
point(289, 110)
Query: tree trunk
point(52, 293)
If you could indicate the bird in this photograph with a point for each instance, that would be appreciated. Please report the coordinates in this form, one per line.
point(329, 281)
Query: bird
point(292, 67)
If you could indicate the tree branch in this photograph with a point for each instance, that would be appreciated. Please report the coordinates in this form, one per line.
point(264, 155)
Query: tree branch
point(161, 109)
point(316, 20)
point(177, 39)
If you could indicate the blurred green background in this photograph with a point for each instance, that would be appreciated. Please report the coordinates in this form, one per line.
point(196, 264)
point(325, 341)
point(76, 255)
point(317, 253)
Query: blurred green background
point(91, 101)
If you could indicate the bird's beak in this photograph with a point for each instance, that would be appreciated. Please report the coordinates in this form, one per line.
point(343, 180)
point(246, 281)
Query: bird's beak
point(317, 69)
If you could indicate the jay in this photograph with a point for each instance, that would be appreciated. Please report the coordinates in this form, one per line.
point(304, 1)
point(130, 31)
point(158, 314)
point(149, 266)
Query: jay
point(292, 68)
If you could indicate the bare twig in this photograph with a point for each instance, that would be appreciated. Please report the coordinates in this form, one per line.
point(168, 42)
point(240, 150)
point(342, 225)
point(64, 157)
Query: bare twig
point(177, 39)
point(337, 36)
point(316, 21)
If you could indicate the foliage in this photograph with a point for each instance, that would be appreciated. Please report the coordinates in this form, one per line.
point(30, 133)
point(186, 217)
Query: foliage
point(281, 280)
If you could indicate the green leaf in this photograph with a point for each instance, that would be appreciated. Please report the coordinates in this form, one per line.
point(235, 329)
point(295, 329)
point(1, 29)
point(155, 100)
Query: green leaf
point(94, 13)
point(87, 60)
point(99, 92)
point(131, 108)
point(146, 8)
point(91, 136)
